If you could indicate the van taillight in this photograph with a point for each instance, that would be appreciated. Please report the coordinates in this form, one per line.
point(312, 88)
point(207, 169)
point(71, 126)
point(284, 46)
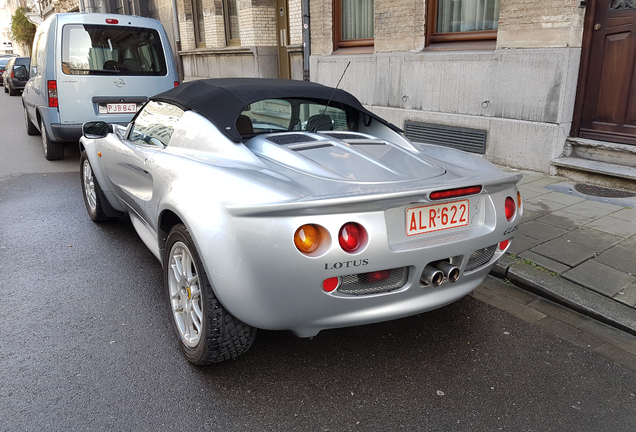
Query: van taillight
point(52, 87)
point(176, 83)
point(12, 76)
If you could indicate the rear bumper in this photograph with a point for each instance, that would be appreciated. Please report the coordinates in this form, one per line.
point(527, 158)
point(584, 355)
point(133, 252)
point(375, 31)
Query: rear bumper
point(64, 132)
point(16, 84)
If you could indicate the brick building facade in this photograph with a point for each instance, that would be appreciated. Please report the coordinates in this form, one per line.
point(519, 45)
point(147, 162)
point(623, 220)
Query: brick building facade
point(225, 38)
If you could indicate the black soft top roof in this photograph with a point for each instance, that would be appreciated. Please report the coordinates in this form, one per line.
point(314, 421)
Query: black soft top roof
point(222, 100)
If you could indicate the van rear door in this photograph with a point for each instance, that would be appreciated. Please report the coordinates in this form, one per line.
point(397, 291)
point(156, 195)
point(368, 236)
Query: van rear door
point(107, 71)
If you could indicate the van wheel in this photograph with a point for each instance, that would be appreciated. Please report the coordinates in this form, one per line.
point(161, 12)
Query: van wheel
point(30, 127)
point(52, 150)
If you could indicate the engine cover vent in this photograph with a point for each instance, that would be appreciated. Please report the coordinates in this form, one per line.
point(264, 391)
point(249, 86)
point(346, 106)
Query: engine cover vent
point(292, 138)
point(470, 140)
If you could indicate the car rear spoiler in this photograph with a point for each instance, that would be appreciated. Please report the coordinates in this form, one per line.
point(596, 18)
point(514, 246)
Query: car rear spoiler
point(363, 201)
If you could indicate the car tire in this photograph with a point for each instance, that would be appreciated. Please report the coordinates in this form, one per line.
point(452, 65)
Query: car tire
point(206, 331)
point(30, 127)
point(91, 190)
point(52, 150)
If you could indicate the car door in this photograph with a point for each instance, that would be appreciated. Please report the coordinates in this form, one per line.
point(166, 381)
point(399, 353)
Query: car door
point(128, 163)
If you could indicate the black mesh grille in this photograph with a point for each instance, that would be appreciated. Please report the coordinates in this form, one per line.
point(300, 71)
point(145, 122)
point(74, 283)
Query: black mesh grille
point(290, 138)
point(480, 257)
point(374, 282)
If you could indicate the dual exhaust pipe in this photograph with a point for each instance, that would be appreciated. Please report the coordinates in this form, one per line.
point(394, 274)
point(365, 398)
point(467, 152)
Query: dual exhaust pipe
point(434, 276)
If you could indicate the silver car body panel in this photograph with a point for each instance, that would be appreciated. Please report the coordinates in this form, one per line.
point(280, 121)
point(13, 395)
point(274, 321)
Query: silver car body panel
point(242, 203)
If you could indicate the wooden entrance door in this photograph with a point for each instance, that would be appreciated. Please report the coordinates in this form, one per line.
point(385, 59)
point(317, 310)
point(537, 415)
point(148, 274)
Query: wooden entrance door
point(608, 93)
point(282, 24)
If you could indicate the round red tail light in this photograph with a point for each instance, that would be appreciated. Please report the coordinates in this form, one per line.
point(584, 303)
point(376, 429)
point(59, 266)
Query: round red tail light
point(510, 208)
point(351, 236)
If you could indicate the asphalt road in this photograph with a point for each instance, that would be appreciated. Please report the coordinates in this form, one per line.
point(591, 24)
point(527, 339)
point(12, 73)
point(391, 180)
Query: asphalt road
point(86, 343)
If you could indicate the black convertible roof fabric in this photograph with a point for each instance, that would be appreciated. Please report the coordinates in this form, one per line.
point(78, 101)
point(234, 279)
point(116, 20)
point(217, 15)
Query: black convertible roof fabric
point(222, 100)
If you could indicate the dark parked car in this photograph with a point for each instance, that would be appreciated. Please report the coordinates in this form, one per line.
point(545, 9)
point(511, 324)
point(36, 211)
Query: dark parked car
point(16, 74)
point(3, 63)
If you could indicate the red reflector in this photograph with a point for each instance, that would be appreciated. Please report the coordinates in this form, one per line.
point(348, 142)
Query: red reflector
point(504, 244)
point(510, 208)
point(111, 21)
point(330, 284)
point(376, 276)
point(52, 93)
point(454, 193)
point(176, 83)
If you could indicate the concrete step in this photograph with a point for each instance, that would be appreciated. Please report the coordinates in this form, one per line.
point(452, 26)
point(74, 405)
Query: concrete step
point(600, 173)
point(601, 151)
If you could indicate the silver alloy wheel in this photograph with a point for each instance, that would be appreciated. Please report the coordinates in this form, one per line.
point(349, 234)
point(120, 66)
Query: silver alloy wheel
point(89, 186)
point(185, 294)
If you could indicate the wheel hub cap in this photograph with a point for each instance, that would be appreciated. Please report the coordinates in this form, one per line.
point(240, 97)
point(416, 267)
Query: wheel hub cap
point(185, 294)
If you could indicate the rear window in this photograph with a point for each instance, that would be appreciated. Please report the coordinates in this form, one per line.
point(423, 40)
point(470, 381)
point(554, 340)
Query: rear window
point(89, 49)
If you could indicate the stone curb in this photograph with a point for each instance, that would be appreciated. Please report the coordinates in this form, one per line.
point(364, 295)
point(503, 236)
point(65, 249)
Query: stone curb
point(581, 299)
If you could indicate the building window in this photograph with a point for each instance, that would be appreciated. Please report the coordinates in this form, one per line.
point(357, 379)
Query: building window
point(230, 11)
point(199, 23)
point(462, 20)
point(353, 23)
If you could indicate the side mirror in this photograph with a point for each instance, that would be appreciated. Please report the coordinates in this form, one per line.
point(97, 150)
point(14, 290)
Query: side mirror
point(96, 129)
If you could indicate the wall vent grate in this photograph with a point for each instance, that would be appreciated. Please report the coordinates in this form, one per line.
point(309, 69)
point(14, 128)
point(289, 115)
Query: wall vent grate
point(470, 140)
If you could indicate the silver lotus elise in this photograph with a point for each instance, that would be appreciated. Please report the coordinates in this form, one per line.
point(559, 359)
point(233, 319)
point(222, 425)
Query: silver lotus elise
point(286, 205)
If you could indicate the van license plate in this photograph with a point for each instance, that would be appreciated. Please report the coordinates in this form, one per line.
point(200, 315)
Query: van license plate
point(421, 220)
point(123, 108)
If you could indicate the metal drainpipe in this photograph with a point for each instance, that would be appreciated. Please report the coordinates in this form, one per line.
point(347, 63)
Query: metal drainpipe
point(177, 39)
point(306, 40)
point(90, 6)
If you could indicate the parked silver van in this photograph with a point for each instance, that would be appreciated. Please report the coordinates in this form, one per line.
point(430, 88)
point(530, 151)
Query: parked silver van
point(87, 67)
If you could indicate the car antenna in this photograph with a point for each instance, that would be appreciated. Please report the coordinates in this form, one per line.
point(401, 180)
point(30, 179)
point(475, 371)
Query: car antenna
point(313, 130)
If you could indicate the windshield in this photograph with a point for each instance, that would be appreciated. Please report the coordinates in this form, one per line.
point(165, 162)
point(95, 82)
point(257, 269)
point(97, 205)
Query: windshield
point(278, 115)
point(111, 50)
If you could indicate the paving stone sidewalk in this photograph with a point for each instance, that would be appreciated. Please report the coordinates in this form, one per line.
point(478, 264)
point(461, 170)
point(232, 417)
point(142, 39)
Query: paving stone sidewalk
point(575, 248)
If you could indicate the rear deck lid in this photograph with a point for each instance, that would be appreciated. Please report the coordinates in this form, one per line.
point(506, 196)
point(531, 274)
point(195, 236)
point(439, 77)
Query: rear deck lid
point(347, 156)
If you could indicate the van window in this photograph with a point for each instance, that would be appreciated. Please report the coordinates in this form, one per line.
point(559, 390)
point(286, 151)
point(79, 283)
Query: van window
point(89, 49)
point(38, 53)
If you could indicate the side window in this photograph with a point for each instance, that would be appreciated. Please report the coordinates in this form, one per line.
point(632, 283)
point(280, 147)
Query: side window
point(353, 23)
point(155, 124)
point(37, 54)
point(462, 20)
